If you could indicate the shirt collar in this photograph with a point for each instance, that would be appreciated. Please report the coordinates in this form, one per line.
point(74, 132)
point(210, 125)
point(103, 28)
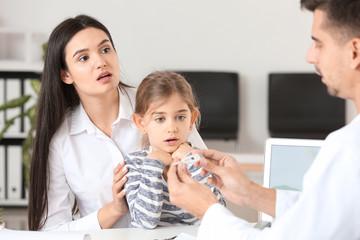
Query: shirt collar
point(356, 119)
point(126, 106)
point(80, 121)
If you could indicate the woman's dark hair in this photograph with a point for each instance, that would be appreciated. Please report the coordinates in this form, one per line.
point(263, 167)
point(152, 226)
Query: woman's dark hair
point(55, 99)
point(343, 16)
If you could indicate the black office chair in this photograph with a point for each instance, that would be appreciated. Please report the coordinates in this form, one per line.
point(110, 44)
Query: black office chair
point(300, 107)
point(218, 96)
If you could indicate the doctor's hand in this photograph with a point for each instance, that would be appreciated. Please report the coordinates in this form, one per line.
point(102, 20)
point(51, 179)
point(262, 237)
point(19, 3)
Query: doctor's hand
point(186, 193)
point(233, 183)
point(227, 175)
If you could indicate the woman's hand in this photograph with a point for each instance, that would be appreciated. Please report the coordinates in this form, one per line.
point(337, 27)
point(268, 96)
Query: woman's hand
point(112, 212)
point(118, 190)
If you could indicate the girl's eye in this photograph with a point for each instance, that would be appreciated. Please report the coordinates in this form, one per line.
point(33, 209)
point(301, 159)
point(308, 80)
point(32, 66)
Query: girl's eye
point(159, 119)
point(84, 58)
point(180, 117)
point(105, 50)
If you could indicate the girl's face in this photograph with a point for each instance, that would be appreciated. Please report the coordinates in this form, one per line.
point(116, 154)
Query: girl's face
point(168, 124)
point(93, 66)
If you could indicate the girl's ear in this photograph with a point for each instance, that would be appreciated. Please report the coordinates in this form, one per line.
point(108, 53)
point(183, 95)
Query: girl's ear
point(139, 122)
point(66, 78)
point(194, 116)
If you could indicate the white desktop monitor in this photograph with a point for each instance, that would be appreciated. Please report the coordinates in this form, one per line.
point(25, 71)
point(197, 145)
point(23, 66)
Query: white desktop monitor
point(285, 163)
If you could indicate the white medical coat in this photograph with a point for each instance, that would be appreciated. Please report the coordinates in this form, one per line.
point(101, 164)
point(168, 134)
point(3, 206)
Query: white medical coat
point(328, 208)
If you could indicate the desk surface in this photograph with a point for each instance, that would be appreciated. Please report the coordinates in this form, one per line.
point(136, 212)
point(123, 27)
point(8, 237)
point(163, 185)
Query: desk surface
point(160, 233)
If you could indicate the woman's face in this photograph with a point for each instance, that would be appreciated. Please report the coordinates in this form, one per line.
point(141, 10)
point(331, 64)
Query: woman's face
point(93, 66)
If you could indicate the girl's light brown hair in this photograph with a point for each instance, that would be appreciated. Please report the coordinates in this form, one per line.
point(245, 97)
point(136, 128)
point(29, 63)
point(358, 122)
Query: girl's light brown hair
point(158, 87)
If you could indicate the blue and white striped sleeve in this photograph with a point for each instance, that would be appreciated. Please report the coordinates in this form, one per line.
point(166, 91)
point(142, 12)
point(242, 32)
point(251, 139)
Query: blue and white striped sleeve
point(144, 190)
point(195, 173)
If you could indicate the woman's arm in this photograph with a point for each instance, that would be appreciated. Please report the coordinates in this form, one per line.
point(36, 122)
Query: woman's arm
point(112, 212)
point(59, 214)
point(61, 175)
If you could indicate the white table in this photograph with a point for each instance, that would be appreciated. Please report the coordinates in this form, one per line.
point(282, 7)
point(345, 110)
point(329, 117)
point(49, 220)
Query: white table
point(159, 233)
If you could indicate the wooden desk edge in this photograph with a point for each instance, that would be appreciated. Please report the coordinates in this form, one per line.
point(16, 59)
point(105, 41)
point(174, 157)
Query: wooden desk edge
point(252, 167)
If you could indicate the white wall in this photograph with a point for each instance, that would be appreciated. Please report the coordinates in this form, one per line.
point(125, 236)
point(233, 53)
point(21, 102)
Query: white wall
point(251, 37)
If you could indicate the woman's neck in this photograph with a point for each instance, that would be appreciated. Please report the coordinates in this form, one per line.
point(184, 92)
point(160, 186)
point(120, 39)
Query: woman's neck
point(102, 111)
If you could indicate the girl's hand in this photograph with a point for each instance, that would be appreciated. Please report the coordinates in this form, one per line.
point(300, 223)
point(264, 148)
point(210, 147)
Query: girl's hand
point(183, 150)
point(161, 156)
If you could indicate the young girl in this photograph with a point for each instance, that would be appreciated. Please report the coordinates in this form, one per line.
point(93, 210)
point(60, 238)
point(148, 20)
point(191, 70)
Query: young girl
point(165, 113)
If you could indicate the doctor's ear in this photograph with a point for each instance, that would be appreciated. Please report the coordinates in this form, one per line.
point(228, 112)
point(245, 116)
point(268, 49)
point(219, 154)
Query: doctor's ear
point(139, 122)
point(355, 53)
point(66, 78)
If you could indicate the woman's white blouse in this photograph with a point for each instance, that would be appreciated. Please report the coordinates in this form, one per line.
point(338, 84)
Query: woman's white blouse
point(82, 159)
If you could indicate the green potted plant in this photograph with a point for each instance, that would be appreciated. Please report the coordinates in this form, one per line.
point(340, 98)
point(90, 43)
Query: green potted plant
point(28, 113)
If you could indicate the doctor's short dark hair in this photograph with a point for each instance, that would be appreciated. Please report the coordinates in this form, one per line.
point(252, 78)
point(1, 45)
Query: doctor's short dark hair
point(343, 16)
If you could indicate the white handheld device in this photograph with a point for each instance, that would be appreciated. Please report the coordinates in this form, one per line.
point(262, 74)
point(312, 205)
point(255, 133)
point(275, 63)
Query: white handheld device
point(191, 159)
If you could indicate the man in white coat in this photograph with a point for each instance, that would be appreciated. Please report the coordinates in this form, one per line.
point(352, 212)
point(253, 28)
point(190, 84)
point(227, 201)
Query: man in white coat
point(329, 206)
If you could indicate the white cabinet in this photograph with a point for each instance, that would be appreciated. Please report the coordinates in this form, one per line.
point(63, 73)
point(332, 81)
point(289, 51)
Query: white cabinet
point(21, 50)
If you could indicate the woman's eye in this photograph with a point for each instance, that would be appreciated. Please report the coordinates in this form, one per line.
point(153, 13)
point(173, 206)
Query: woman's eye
point(84, 58)
point(105, 50)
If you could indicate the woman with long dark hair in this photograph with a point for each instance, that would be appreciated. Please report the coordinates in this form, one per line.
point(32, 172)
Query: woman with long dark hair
point(83, 130)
